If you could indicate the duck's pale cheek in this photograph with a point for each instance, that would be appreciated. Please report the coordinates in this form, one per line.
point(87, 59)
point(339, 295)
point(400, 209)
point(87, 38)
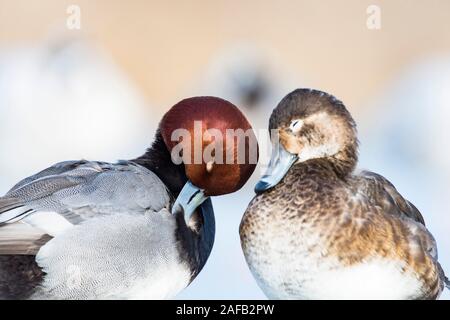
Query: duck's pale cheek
point(290, 143)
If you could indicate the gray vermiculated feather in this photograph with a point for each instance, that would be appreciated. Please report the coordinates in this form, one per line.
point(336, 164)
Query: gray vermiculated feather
point(56, 169)
point(87, 263)
point(14, 215)
point(12, 209)
point(7, 203)
point(80, 190)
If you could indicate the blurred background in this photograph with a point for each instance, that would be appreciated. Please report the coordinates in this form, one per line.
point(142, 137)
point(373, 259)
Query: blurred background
point(92, 81)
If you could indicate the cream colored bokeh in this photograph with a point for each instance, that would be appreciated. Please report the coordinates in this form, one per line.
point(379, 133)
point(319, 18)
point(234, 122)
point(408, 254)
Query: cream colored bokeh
point(163, 45)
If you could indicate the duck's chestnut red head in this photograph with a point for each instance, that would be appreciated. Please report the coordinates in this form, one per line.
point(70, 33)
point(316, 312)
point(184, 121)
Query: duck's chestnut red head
point(214, 141)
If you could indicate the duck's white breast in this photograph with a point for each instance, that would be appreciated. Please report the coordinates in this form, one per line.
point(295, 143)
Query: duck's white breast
point(312, 276)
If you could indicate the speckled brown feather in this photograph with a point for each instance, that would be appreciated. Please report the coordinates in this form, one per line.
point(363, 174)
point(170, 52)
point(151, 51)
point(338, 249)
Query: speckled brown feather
point(351, 230)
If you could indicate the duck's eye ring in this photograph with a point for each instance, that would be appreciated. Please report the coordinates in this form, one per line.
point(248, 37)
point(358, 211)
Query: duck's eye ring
point(296, 125)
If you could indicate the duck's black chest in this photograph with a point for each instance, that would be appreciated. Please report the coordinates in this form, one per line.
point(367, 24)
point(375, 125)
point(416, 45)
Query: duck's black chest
point(19, 276)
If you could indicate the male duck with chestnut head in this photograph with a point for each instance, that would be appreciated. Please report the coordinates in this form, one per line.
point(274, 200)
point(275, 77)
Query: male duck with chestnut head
point(125, 236)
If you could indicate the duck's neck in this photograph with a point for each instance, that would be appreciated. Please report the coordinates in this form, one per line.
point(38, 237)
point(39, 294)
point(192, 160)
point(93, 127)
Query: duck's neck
point(341, 164)
point(344, 162)
point(158, 160)
point(197, 243)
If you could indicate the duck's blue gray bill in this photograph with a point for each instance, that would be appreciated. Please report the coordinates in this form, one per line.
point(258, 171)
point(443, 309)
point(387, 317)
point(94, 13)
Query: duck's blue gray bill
point(189, 199)
point(279, 165)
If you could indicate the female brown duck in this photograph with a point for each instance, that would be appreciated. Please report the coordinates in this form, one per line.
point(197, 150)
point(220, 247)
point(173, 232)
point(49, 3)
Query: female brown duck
point(318, 230)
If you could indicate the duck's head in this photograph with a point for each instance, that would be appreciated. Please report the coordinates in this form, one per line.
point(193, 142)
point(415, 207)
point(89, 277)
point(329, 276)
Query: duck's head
point(214, 142)
point(309, 124)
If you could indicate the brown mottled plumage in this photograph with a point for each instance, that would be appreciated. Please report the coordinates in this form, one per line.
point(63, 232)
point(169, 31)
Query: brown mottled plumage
point(325, 231)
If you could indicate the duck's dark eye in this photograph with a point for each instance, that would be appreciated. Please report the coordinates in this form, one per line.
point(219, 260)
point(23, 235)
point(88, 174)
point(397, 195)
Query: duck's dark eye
point(296, 125)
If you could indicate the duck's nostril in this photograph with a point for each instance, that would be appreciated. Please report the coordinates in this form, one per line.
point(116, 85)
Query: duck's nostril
point(193, 196)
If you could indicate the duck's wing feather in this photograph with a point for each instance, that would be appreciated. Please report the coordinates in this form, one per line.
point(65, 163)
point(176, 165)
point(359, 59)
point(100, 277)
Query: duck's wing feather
point(54, 170)
point(384, 194)
point(80, 190)
point(410, 225)
point(21, 239)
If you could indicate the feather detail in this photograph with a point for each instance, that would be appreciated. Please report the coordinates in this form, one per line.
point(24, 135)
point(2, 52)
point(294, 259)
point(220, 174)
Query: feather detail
point(21, 239)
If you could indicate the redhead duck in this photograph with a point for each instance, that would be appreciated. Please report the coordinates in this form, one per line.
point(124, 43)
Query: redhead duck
point(138, 229)
point(319, 230)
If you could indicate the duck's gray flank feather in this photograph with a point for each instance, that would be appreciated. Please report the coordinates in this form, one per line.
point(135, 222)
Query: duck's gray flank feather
point(116, 256)
point(124, 241)
point(81, 189)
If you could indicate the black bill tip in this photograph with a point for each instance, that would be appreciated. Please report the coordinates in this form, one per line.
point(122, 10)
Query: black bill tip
point(262, 186)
